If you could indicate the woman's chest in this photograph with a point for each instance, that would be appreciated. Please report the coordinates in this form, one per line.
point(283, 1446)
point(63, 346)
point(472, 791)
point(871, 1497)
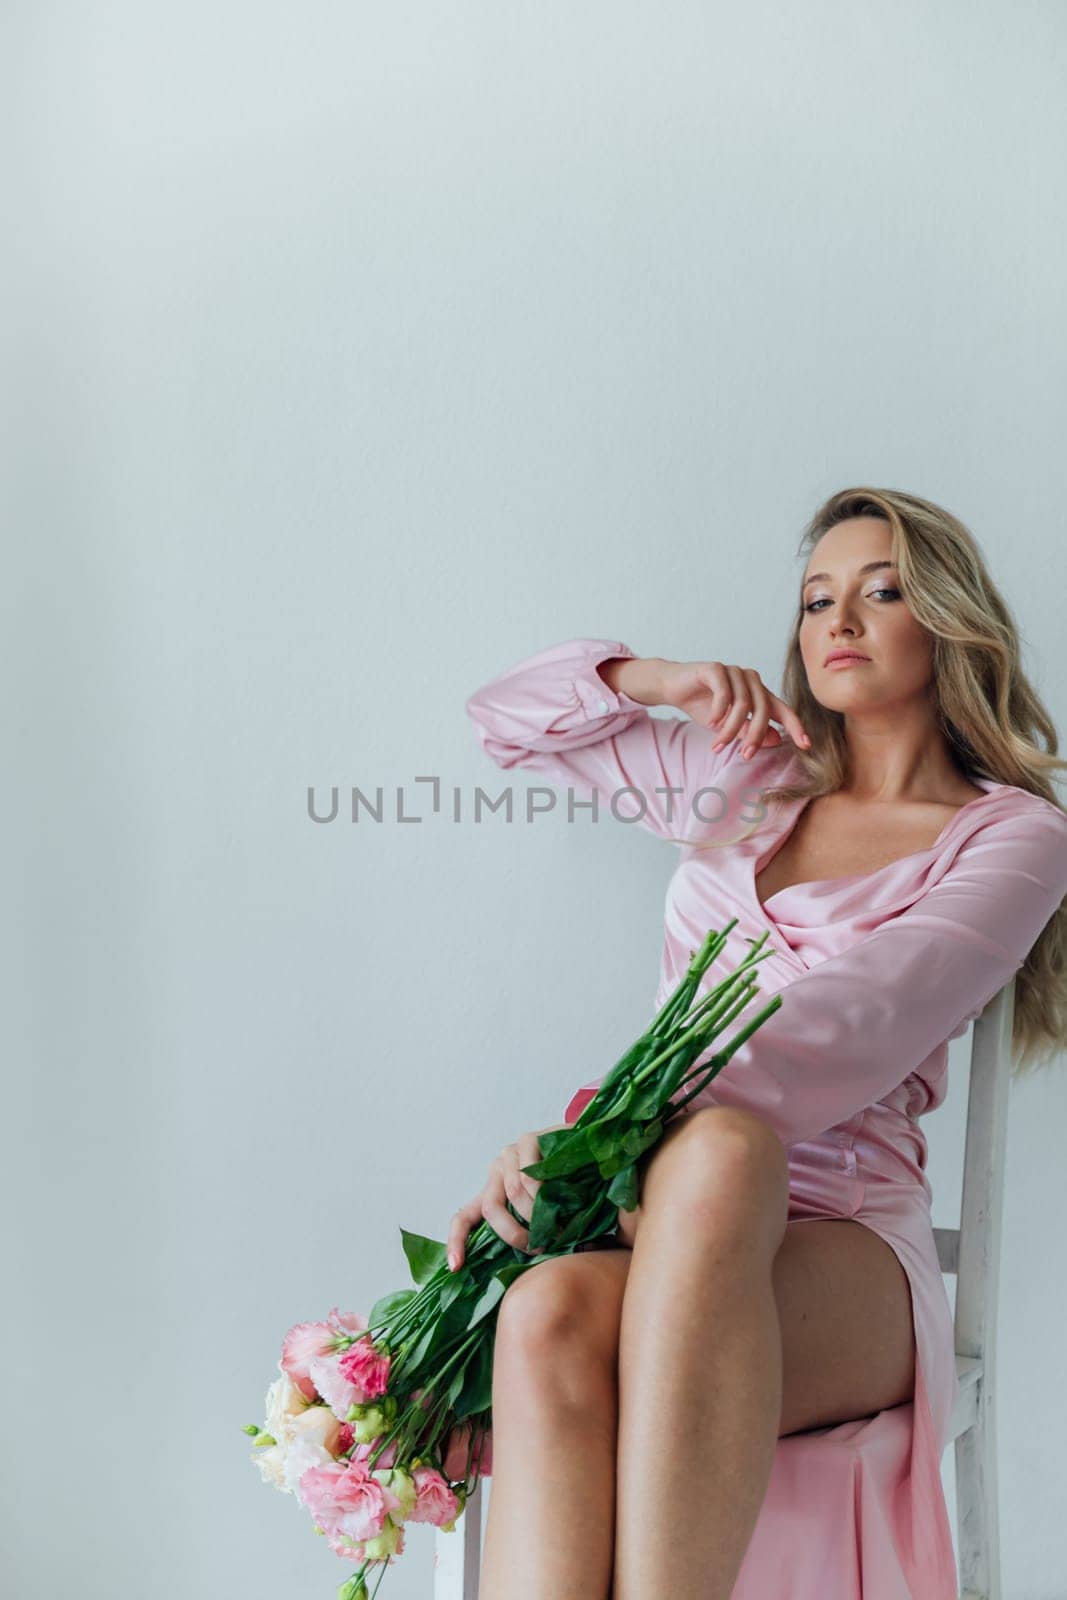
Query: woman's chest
point(843, 841)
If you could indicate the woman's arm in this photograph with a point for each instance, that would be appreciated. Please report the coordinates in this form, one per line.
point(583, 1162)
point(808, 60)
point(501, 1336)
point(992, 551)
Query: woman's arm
point(556, 713)
point(639, 678)
point(854, 1027)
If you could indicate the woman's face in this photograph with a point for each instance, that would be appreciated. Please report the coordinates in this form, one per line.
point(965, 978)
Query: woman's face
point(847, 608)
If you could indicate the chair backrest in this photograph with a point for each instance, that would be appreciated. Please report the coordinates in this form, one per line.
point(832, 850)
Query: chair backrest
point(972, 1251)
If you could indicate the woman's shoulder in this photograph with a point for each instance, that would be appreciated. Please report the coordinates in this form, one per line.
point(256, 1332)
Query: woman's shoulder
point(1009, 800)
point(1030, 830)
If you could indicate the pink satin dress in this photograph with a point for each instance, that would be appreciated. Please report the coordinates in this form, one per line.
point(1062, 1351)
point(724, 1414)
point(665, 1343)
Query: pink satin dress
point(878, 972)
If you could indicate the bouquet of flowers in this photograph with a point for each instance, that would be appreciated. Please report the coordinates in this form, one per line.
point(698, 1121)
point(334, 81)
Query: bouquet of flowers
point(372, 1416)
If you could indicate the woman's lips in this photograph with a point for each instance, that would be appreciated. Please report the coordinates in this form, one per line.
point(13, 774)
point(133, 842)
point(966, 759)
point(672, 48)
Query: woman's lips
point(848, 661)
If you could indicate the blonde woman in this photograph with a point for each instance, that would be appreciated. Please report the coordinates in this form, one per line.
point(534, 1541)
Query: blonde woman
point(898, 835)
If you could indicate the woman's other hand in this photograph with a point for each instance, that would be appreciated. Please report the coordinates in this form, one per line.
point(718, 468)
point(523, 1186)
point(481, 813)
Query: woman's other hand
point(505, 1182)
point(730, 700)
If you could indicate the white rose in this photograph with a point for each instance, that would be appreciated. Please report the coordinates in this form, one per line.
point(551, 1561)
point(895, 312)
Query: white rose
point(303, 1434)
point(284, 1401)
point(301, 1455)
point(270, 1459)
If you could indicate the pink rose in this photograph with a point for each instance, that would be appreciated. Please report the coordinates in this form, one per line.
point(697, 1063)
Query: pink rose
point(389, 1543)
point(366, 1367)
point(302, 1343)
point(435, 1503)
point(333, 1386)
point(345, 1499)
point(347, 1321)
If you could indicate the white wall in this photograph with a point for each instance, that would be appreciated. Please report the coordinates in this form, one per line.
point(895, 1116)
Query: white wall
point(353, 352)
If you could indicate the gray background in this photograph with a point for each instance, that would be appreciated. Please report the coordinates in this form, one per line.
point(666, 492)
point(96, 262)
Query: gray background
point(351, 353)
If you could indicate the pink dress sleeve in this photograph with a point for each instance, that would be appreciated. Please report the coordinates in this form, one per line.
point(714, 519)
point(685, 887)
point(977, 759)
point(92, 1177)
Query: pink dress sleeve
point(553, 714)
point(851, 1029)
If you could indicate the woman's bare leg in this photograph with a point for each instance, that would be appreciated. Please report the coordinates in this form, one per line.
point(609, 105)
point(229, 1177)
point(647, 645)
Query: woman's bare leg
point(700, 1358)
point(551, 1523)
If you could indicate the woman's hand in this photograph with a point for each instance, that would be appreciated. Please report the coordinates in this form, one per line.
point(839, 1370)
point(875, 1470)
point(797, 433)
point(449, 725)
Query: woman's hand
point(505, 1182)
point(725, 698)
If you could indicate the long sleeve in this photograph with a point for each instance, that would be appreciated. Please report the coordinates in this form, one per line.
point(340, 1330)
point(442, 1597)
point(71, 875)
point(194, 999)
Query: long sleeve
point(854, 1027)
point(851, 1029)
point(554, 714)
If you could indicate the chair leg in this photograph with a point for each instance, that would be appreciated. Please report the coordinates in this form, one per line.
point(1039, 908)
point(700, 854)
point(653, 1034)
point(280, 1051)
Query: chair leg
point(977, 1519)
point(457, 1556)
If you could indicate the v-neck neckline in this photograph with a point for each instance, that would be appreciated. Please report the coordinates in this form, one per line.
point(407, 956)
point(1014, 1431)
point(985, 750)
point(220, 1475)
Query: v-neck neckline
point(796, 807)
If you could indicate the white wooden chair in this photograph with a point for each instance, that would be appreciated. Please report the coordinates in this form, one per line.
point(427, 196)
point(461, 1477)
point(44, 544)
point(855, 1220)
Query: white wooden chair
point(972, 1252)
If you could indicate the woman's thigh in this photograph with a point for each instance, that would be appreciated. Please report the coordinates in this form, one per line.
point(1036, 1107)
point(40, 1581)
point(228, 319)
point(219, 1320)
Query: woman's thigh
point(844, 1307)
point(848, 1338)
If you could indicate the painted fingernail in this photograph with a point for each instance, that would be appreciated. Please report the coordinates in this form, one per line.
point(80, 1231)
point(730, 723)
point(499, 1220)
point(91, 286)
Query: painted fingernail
point(747, 751)
point(452, 1261)
point(719, 745)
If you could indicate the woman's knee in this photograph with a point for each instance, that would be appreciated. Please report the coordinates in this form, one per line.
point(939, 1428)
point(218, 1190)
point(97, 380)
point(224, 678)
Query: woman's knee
point(724, 1164)
point(561, 1317)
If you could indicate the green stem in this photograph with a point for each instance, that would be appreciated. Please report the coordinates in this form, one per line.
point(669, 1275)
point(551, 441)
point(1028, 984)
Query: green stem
point(721, 1057)
point(665, 1018)
point(698, 1031)
point(605, 1101)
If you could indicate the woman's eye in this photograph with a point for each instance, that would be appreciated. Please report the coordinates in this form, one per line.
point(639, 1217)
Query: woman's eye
point(812, 604)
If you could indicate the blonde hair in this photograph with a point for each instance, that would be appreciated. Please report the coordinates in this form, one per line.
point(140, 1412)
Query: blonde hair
point(987, 709)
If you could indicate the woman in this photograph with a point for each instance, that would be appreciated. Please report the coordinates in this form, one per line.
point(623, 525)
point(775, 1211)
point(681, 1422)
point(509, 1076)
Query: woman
point(900, 839)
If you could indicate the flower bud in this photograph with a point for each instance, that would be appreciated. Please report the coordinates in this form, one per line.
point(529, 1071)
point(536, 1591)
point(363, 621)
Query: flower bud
point(353, 1589)
point(384, 1544)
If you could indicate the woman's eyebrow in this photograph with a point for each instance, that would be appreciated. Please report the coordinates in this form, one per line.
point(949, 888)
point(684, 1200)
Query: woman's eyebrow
point(869, 566)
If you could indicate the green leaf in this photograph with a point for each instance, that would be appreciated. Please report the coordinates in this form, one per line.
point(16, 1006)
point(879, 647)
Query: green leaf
point(474, 1391)
point(513, 1270)
point(491, 1295)
point(553, 1137)
point(613, 1164)
point(623, 1189)
point(389, 1304)
point(456, 1317)
point(454, 1285)
point(604, 1141)
point(422, 1346)
point(494, 1290)
point(424, 1255)
point(638, 1139)
point(562, 1152)
point(649, 1103)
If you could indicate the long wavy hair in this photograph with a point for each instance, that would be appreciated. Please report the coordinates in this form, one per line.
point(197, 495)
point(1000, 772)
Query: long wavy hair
point(987, 710)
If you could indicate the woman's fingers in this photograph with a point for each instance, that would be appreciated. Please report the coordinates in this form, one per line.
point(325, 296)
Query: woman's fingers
point(741, 703)
point(529, 1153)
point(761, 710)
point(462, 1222)
point(717, 680)
point(515, 1184)
point(506, 1184)
point(499, 1217)
point(784, 713)
point(737, 715)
